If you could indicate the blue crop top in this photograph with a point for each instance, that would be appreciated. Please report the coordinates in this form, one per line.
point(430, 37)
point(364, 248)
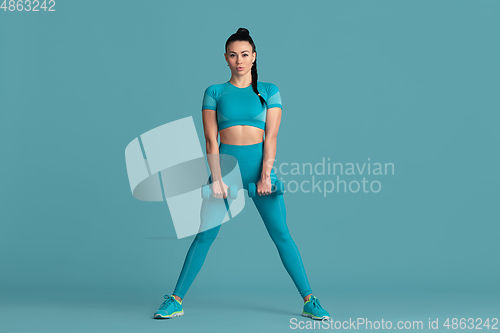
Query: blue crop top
point(241, 106)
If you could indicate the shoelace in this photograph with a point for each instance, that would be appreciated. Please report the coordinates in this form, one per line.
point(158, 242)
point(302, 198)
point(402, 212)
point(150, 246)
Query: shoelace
point(168, 301)
point(315, 303)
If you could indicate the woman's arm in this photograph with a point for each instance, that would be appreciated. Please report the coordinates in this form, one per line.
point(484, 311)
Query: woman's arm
point(211, 130)
point(273, 120)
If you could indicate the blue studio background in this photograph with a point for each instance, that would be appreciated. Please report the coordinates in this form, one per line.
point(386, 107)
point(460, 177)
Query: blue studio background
point(412, 83)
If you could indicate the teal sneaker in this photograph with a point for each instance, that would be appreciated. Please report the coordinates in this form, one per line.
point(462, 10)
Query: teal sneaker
point(169, 308)
point(314, 310)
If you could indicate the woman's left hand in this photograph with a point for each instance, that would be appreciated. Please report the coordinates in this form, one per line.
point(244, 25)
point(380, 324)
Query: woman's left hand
point(264, 186)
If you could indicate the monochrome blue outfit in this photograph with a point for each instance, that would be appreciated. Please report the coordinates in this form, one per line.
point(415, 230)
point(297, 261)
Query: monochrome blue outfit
point(242, 106)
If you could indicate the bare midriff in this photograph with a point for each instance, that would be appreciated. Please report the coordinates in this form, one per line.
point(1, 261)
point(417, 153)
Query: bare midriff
point(241, 135)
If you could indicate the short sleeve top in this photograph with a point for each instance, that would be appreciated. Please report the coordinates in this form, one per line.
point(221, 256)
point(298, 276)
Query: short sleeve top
point(241, 106)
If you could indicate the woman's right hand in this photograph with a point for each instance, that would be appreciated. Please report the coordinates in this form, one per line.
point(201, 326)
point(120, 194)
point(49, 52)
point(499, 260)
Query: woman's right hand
point(219, 189)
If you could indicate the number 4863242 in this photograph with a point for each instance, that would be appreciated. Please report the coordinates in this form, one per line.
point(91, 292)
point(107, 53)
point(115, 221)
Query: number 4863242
point(28, 5)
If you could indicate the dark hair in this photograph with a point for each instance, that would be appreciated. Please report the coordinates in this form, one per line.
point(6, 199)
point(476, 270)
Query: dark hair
point(244, 35)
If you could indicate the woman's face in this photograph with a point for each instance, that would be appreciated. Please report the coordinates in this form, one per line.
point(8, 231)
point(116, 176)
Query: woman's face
point(240, 58)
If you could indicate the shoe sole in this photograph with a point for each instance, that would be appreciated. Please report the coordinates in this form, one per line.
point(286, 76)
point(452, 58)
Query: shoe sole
point(305, 314)
point(175, 314)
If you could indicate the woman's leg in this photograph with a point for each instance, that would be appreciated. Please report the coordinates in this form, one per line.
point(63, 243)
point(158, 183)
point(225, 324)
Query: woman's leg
point(213, 211)
point(194, 260)
point(272, 210)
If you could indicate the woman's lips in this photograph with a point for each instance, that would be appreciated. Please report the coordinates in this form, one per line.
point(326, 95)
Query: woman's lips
point(239, 68)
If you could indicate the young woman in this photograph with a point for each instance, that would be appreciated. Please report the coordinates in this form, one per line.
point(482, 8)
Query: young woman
point(241, 111)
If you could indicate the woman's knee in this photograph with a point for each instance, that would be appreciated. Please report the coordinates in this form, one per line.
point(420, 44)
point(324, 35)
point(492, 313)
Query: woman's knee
point(281, 236)
point(208, 236)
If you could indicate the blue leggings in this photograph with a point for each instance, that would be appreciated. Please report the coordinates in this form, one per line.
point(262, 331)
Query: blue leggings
point(272, 210)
